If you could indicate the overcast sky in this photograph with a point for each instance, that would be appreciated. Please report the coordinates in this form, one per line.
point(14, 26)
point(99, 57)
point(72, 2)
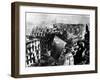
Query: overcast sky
point(41, 19)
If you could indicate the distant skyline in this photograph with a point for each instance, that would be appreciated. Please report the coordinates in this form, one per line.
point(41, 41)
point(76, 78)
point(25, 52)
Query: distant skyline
point(42, 19)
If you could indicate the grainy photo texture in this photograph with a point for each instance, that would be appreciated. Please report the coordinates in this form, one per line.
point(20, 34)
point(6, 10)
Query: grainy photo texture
point(57, 39)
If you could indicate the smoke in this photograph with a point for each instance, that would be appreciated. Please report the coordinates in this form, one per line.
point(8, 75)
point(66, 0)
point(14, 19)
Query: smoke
point(42, 20)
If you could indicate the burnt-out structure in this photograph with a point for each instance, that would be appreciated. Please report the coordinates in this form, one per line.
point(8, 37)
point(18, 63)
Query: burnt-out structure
point(62, 44)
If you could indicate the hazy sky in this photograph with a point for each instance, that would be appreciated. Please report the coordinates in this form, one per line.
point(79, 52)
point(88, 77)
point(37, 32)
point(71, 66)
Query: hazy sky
point(41, 19)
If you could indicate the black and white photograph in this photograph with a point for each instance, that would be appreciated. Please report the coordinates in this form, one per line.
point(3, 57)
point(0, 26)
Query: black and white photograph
point(56, 39)
point(53, 39)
